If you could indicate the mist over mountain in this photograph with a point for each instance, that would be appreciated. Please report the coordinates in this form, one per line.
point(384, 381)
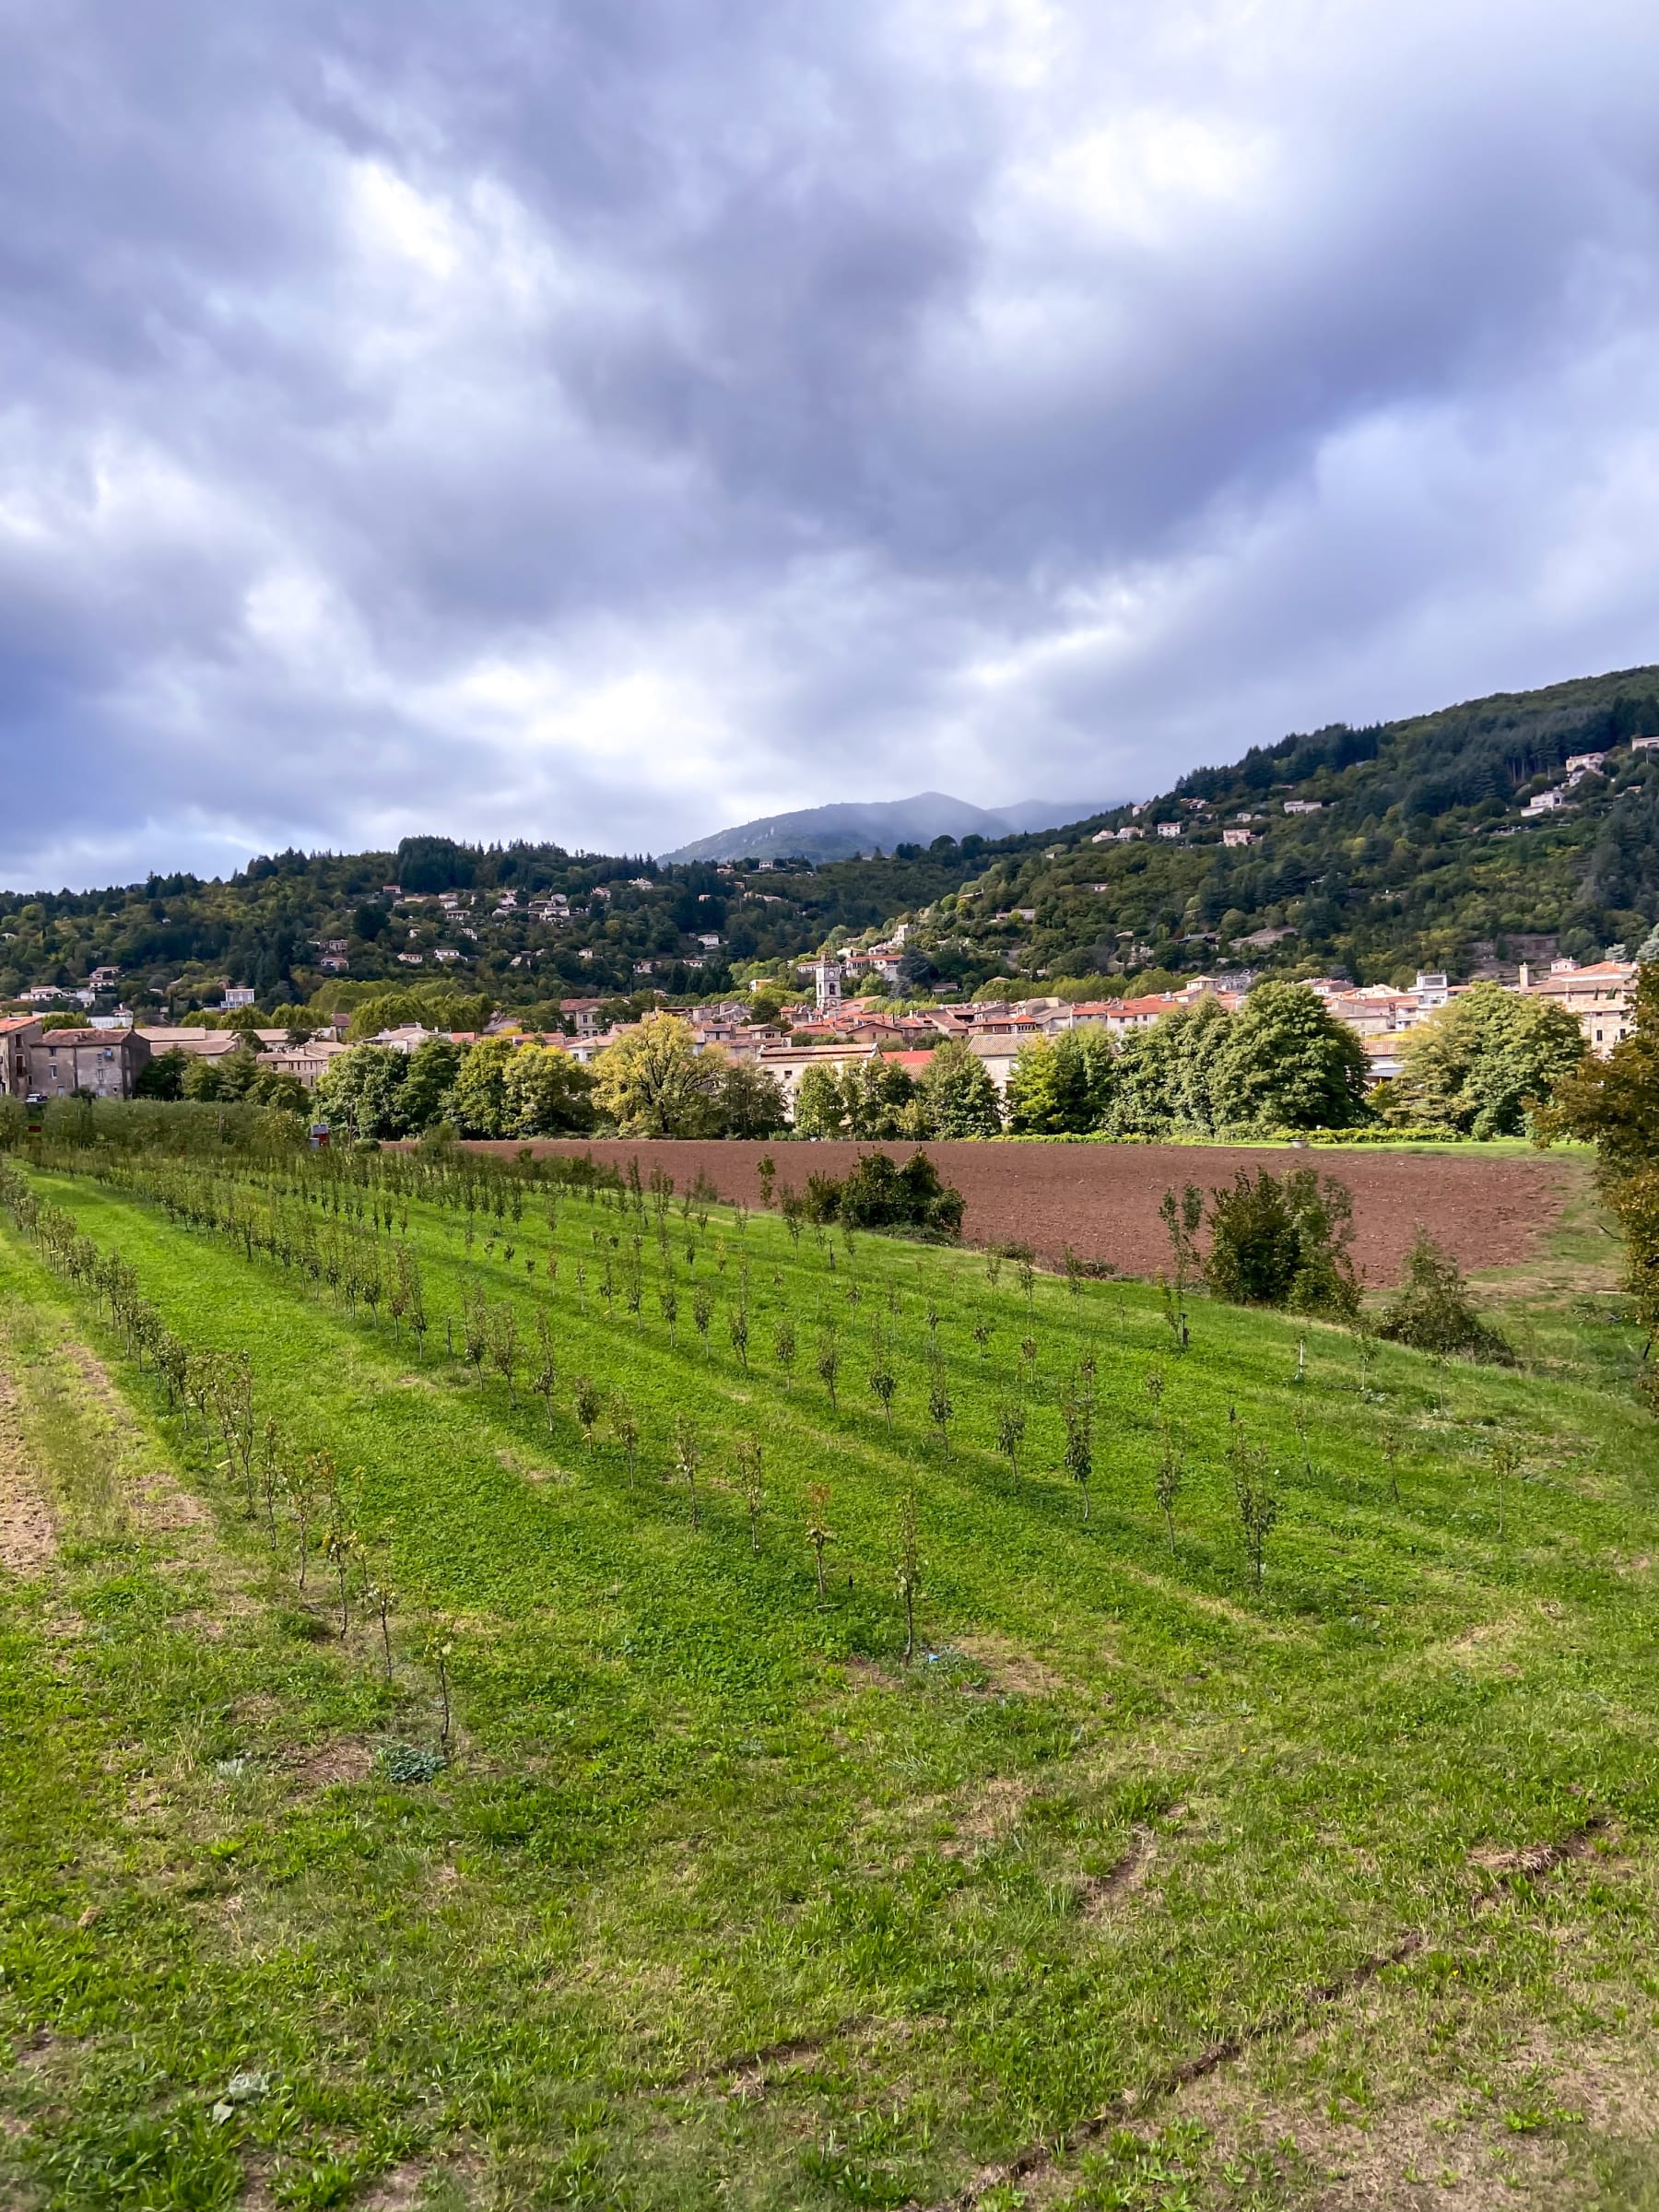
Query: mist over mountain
point(851, 828)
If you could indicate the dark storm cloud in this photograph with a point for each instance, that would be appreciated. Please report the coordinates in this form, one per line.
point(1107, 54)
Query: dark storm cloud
point(601, 421)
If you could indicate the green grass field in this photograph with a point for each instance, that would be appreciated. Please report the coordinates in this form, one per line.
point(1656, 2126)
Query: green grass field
point(1136, 1889)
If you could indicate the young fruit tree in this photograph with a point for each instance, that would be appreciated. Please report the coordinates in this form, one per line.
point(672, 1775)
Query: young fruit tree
point(688, 1458)
point(547, 1364)
point(1166, 1482)
point(1077, 1413)
point(939, 1407)
point(818, 1531)
point(1010, 1431)
point(908, 1562)
point(625, 1428)
point(1255, 1499)
point(747, 1452)
point(589, 1407)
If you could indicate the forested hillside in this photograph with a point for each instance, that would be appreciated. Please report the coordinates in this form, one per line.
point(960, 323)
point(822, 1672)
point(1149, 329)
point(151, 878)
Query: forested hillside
point(1372, 851)
point(1416, 854)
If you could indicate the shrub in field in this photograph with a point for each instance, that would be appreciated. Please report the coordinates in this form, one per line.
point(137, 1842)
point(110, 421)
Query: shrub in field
point(879, 1194)
point(1433, 1311)
point(1279, 1240)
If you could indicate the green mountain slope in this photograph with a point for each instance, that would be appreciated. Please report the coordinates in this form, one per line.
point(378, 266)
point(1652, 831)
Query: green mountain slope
point(1418, 854)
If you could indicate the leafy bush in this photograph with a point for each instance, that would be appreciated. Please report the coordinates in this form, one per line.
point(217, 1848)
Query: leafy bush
point(1433, 1311)
point(879, 1194)
point(1282, 1240)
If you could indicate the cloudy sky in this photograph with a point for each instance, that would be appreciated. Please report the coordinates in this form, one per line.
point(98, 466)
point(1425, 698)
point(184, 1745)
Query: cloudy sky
point(606, 420)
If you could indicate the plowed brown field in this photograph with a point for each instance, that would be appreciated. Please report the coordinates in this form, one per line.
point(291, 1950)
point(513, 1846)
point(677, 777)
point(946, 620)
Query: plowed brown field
point(1103, 1199)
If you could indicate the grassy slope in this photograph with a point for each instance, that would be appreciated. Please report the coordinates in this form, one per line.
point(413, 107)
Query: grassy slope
point(695, 1815)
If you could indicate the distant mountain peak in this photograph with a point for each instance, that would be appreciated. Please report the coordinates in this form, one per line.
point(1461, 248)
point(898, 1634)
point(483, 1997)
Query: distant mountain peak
point(849, 827)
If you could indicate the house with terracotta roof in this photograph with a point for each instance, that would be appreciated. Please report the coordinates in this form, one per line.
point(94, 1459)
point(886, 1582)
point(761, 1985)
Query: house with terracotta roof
point(19, 1032)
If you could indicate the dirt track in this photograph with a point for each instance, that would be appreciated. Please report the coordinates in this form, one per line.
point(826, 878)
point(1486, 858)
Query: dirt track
point(1103, 1199)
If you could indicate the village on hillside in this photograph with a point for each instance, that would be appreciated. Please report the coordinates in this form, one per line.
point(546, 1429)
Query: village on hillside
point(834, 1028)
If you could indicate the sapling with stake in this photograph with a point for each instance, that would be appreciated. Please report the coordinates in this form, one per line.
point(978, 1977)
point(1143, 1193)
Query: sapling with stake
point(1182, 1217)
point(939, 1407)
point(883, 1380)
point(1391, 1443)
point(908, 1564)
point(340, 1549)
point(784, 1342)
point(1027, 1284)
point(1167, 1483)
point(270, 1473)
point(668, 1301)
point(703, 1312)
point(382, 1597)
point(415, 1302)
point(588, 1406)
point(818, 1531)
point(1365, 1344)
point(1010, 1431)
point(1506, 1466)
point(547, 1363)
point(828, 1364)
point(309, 1480)
point(625, 1428)
point(737, 1328)
point(1078, 1416)
point(1028, 1365)
point(688, 1456)
point(503, 1349)
point(993, 1267)
point(982, 1333)
point(475, 1329)
point(441, 1659)
point(1256, 1501)
point(747, 1452)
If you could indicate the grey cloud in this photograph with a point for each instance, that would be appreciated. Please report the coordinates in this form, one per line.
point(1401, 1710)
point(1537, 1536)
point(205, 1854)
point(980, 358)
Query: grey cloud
point(599, 421)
